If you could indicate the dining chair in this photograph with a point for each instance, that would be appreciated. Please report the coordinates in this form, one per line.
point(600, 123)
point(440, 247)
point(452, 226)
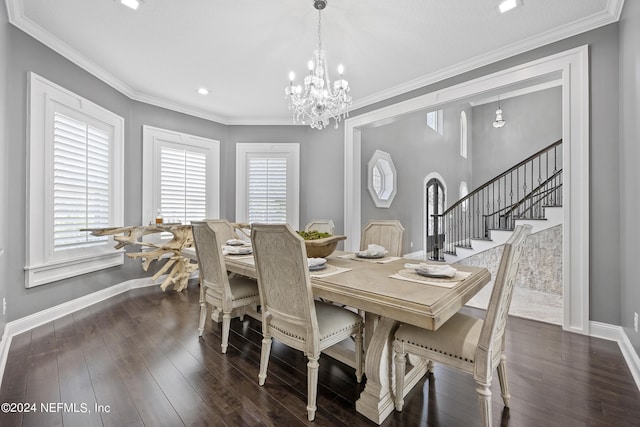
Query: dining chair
point(322, 225)
point(468, 343)
point(225, 230)
point(289, 312)
point(387, 233)
point(230, 295)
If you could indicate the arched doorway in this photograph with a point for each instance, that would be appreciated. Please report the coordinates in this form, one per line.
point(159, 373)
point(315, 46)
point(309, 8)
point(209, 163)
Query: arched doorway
point(434, 206)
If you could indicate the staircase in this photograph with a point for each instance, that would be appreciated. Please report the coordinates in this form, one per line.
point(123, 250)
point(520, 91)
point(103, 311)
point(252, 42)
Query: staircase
point(529, 192)
point(553, 215)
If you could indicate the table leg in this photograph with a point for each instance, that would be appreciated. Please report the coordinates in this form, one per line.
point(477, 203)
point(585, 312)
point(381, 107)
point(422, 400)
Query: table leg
point(376, 400)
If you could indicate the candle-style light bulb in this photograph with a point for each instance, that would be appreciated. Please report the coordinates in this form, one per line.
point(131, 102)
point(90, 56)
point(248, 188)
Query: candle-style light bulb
point(291, 76)
point(340, 70)
point(310, 65)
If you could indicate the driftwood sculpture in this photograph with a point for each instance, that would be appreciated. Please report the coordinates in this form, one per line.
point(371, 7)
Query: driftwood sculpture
point(178, 268)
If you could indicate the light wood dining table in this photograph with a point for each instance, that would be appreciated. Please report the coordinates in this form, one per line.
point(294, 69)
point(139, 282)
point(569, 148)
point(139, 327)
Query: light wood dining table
point(367, 285)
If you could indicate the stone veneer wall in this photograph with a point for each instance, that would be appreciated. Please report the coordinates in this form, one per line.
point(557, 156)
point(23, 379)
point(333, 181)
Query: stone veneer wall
point(540, 266)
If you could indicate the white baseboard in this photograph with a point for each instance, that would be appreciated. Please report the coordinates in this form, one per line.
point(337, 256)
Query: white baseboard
point(617, 333)
point(24, 324)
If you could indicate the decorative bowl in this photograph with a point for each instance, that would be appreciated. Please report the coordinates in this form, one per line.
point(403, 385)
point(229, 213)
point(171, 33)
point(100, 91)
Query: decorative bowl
point(320, 248)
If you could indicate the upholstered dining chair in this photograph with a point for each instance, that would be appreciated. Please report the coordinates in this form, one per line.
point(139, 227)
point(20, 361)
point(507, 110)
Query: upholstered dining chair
point(231, 296)
point(321, 225)
point(387, 233)
point(289, 312)
point(473, 345)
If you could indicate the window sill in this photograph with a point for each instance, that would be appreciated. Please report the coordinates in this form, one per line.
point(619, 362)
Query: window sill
point(46, 273)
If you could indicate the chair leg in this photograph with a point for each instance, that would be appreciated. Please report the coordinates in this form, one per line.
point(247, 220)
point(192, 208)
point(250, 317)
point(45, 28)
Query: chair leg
point(502, 377)
point(264, 359)
point(226, 325)
point(484, 396)
point(312, 386)
point(359, 355)
point(203, 312)
point(400, 359)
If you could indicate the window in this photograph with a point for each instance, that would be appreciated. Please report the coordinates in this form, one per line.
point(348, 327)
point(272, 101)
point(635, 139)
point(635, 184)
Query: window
point(463, 134)
point(267, 183)
point(463, 192)
point(435, 196)
point(382, 177)
point(435, 121)
point(180, 176)
point(75, 182)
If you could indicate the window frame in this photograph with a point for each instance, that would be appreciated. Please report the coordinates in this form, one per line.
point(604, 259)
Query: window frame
point(42, 263)
point(464, 135)
point(291, 151)
point(382, 163)
point(153, 139)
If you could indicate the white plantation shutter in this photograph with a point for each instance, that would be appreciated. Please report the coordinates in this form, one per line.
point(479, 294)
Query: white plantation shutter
point(81, 183)
point(180, 177)
point(75, 180)
point(268, 183)
point(183, 184)
point(268, 189)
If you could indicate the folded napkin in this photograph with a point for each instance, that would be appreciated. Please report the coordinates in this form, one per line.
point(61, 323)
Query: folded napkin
point(236, 250)
point(373, 250)
point(236, 242)
point(315, 262)
point(433, 270)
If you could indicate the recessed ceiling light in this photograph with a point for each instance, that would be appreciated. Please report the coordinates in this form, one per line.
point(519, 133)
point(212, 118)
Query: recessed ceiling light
point(507, 5)
point(203, 91)
point(133, 4)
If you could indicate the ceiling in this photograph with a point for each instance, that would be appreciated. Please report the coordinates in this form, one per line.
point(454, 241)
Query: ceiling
point(243, 50)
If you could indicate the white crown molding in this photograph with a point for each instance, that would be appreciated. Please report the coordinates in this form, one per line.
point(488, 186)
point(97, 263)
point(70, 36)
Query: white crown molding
point(605, 17)
point(15, 12)
point(17, 17)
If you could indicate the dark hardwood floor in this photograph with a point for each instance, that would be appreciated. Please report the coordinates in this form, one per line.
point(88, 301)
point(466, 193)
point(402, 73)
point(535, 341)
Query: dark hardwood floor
point(138, 356)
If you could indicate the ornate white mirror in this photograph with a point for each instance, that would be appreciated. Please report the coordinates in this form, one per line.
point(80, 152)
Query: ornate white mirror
point(381, 175)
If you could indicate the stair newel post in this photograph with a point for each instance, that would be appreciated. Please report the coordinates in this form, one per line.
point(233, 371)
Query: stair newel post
point(436, 238)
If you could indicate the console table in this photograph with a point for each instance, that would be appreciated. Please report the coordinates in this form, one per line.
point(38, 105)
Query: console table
point(178, 267)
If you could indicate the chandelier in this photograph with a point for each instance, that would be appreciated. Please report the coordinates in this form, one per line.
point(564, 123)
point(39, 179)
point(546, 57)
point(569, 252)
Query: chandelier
point(499, 121)
point(318, 103)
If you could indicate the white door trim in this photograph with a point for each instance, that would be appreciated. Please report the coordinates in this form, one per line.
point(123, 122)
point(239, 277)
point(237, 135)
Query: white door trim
point(573, 68)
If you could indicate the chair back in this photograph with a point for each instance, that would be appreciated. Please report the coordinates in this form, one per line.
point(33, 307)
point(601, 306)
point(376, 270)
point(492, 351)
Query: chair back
point(286, 295)
point(223, 228)
point(213, 269)
point(387, 233)
point(321, 225)
point(491, 341)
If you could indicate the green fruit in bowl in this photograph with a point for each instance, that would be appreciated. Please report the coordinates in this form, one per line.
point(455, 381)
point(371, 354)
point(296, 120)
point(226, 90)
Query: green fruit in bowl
point(313, 235)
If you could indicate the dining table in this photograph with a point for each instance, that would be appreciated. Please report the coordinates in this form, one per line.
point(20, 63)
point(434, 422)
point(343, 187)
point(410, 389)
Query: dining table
point(389, 292)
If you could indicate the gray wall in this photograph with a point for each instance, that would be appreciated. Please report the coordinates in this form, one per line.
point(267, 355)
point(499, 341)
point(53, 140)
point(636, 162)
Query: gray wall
point(534, 121)
point(629, 171)
point(25, 54)
point(416, 151)
point(4, 163)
